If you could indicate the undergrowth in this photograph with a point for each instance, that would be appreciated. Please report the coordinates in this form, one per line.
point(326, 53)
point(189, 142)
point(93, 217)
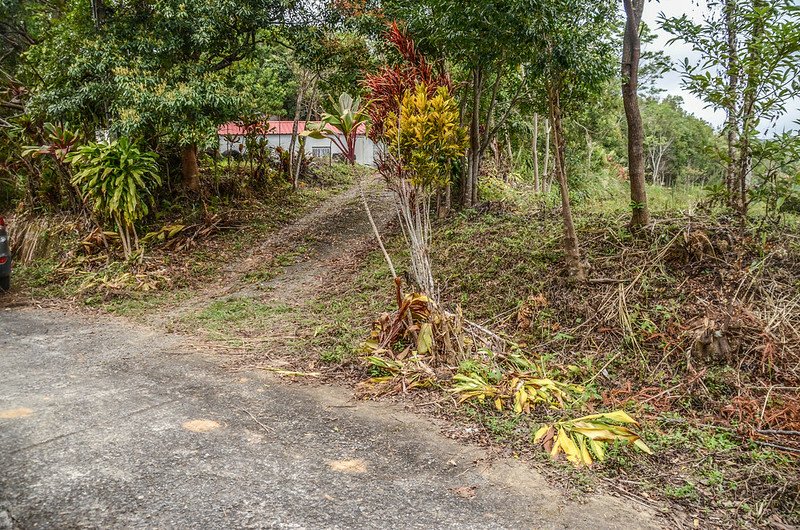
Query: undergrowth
point(60, 257)
point(690, 326)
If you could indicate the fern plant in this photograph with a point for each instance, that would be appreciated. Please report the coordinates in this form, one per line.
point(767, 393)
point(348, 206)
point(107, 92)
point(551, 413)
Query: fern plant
point(116, 179)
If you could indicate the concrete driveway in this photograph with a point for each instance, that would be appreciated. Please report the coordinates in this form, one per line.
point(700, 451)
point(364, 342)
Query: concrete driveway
point(104, 424)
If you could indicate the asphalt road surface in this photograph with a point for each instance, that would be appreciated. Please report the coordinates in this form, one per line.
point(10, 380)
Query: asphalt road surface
point(105, 424)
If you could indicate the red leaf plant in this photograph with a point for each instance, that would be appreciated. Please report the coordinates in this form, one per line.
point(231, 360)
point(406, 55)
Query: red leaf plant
point(386, 87)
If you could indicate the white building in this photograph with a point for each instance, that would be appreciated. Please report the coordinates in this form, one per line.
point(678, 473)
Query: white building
point(279, 134)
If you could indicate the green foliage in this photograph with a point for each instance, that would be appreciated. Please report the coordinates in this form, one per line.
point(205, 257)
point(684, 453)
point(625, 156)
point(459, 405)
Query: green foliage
point(750, 69)
point(767, 36)
point(117, 179)
point(341, 125)
point(574, 46)
point(164, 67)
point(427, 136)
point(678, 146)
point(493, 189)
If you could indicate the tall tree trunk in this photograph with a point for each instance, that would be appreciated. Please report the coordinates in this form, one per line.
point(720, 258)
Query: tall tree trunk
point(546, 170)
point(301, 152)
point(190, 171)
point(471, 184)
point(510, 155)
point(293, 159)
point(749, 94)
point(572, 252)
point(535, 152)
point(631, 50)
point(731, 124)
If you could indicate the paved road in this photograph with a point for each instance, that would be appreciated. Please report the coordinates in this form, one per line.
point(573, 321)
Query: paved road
point(108, 425)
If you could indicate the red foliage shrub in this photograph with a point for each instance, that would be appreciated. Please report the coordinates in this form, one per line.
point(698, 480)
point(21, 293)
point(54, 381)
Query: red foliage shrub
point(386, 87)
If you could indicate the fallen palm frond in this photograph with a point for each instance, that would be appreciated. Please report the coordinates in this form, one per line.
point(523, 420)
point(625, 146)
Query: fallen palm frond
point(397, 376)
point(583, 440)
point(516, 391)
point(420, 327)
point(118, 281)
point(35, 237)
point(181, 237)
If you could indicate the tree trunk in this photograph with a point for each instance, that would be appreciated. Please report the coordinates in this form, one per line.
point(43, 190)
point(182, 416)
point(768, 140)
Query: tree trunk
point(535, 150)
point(471, 182)
point(189, 168)
point(510, 155)
point(295, 128)
point(301, 152)
point(732, 71)
point(749, 94)
point(631, 50)
point(546, 170)
point(572, 252)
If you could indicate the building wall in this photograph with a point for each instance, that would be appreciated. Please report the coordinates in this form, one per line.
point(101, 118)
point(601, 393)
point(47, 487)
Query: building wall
point(365, 148)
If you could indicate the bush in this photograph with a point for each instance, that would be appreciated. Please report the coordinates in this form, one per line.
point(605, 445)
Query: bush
point(117, 180)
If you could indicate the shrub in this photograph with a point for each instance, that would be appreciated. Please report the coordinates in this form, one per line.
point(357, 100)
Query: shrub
point(117, 179)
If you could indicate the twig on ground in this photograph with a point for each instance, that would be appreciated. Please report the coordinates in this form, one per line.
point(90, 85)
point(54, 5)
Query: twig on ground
point(267, 429)
point(779, 447)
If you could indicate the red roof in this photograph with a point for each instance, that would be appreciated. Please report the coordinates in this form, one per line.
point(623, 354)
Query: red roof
point(271, 127)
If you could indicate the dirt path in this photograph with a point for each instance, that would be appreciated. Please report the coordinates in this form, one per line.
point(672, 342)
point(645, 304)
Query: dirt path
point(104, 424)
point(258, 312)
point(318, 247)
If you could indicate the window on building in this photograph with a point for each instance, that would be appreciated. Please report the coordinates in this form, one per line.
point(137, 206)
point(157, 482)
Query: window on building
point(321, 152)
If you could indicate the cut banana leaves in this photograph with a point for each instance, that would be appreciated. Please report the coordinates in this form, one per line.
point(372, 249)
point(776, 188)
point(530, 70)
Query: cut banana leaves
point(583, 440)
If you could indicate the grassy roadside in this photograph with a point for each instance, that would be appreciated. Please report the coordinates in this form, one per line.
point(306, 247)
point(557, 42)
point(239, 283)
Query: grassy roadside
point(628, 338)
point(631, 339)
point(71, 263)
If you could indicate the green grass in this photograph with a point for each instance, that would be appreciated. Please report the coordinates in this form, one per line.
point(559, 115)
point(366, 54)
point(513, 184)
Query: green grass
point(236, 314)
point(341, 321)
point(491, 262)
point(142, 305)
point(276, 266)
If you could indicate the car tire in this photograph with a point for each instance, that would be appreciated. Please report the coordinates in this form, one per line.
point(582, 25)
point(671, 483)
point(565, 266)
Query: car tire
point(5, 283)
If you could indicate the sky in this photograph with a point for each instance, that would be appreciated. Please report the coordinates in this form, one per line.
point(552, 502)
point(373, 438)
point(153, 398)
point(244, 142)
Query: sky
point(671, 82)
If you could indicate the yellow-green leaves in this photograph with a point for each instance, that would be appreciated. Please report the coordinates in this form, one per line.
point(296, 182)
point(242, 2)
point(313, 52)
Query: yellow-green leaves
point(516, 391)
point(427, 136)
point(582, 440)
point(425, 338)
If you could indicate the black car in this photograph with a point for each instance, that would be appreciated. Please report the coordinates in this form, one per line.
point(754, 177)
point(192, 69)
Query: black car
point(5, 258)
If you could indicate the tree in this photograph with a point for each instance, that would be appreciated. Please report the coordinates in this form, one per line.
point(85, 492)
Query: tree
point(422, 141)
point(323, 61)
point(485, 43)
point(750, 74)
point(631, 52)
point(387, 87)
point(156, 69)
point(573, 57)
